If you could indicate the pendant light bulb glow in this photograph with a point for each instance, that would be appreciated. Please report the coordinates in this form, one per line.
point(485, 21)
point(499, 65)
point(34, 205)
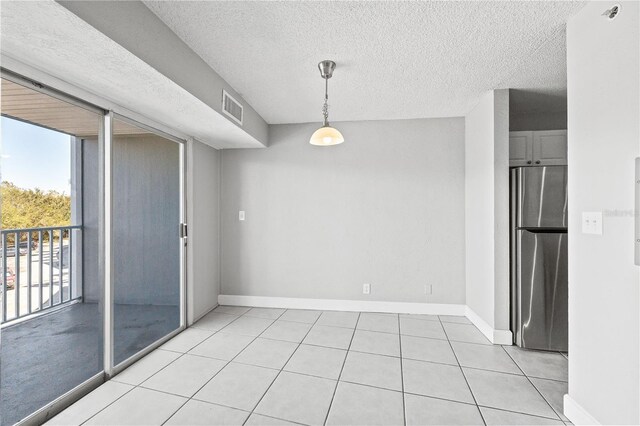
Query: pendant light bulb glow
point(326, 135)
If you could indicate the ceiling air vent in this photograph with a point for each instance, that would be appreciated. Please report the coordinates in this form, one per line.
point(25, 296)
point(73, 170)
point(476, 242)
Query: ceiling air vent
point(231, 107)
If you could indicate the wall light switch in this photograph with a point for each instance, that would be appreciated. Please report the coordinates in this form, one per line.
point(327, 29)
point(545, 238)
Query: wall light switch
point(241, 215)
point(592, 223)
point(428, 289)
point(366, 288)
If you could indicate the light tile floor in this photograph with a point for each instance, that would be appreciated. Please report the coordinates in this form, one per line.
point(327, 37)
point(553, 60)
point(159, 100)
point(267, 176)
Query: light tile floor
point(258, 366)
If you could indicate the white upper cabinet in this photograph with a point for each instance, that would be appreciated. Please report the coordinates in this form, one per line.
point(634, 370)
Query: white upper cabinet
point(550, 148)
point(538, 148)
point(520, 148)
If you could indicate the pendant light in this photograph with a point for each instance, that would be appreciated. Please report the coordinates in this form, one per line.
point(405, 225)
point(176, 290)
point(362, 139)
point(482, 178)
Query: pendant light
point(326, 135)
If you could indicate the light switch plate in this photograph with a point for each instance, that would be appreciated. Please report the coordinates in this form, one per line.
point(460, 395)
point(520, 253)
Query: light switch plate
point(241, 215)
point(366, 288)
point(592, 223)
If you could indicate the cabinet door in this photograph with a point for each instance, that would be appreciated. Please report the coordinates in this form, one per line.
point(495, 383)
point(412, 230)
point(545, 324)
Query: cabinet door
point(550, 148)
point(520, 148)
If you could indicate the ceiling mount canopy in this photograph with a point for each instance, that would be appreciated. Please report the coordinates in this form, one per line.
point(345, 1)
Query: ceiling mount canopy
point(326, 135)
point(326, 69)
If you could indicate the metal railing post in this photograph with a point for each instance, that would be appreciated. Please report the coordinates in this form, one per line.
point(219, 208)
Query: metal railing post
point(16, 285)
point(40, 272)
point(70, 273)
point(4, 277)
point(29, 277)
point(51, 268)
point(61, 264)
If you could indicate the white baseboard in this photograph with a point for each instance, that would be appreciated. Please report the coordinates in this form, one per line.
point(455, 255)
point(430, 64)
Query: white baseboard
point(343, 305)
point(577, 414)
point(497, 337)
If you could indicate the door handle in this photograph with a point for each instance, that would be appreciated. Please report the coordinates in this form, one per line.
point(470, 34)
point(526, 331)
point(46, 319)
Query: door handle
point(636, 214)
point(538, 162)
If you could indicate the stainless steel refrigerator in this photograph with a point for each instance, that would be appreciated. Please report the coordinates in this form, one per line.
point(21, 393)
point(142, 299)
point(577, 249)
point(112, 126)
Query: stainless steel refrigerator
point(539, 290)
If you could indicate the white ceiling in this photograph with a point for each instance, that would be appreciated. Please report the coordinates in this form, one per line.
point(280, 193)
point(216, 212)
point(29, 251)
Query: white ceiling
point(49, 38)
point(395, 59)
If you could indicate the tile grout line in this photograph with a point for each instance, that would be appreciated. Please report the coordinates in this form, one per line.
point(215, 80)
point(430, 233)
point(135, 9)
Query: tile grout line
point(342, 368)
point(139, 385)
point(316, 322)
point(404, 408)
point(134, 386)
point(534, 386)
point(397, 357)
point(108, 405)
point(185, 353)
point(350, 382)
point(225, 365)
point(463, 375)
point(284, 365)
point(189, 398)
point(520, 412)
point(433, 362)
point(354, 383)
point(129, 384)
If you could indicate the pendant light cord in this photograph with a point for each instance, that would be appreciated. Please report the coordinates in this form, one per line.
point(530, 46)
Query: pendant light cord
point(325, 107)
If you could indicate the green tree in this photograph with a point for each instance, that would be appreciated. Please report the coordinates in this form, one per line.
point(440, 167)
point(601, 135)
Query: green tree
point(33, 208)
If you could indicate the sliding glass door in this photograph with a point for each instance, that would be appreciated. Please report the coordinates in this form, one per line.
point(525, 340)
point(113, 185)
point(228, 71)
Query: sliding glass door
point(146, 244)
point(92, 248)
point(51, 290)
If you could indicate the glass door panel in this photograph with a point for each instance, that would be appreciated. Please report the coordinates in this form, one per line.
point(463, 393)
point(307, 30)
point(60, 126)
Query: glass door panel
point(51, 291)
point(146, 244)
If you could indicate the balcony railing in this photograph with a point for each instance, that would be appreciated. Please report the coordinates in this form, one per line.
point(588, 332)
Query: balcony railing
point(37, 270)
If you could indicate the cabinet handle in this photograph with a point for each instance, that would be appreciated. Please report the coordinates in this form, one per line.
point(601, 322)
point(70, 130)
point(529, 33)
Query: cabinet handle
point(529, 162)
point(538, 162)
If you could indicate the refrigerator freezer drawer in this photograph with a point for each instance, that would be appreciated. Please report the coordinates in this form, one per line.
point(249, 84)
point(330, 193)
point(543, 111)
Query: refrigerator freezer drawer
point(542, 197)
point(542, 290)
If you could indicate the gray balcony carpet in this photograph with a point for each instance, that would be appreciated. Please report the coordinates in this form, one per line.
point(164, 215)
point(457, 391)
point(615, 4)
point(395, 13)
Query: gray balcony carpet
point(42, 358)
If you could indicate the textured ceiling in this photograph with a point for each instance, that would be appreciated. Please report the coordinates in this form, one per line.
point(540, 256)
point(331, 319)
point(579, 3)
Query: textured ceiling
point(395, 59)
point(48, 37)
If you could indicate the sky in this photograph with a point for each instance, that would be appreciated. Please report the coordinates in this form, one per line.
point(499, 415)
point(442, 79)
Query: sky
point(35, 157)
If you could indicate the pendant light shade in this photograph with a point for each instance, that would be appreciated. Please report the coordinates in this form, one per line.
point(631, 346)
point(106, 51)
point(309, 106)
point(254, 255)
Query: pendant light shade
point(326, 135)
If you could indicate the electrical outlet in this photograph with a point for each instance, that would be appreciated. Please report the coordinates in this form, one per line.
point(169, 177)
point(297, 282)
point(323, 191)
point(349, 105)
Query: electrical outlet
point(366, 288)
point(241, 215)
point(428, 289)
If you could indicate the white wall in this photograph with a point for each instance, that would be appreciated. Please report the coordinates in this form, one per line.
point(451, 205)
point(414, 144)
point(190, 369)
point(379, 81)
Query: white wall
point(487, 209)
point(203, 255)
point(604, 138)
point(385, 208)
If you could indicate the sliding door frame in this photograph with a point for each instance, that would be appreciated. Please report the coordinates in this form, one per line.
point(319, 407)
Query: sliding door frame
point(108, 112)
point(54, 407)
point(111, 369)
